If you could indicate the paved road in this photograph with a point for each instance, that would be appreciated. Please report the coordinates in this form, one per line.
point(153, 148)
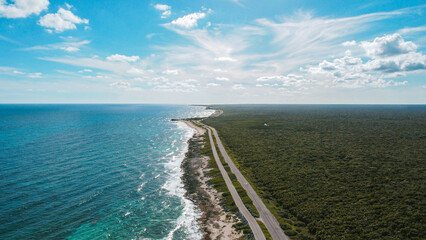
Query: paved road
point(268, 219)
point(257, 231)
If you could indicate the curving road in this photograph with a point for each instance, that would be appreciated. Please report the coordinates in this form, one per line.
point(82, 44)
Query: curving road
point(257, 231)
point(266, 216)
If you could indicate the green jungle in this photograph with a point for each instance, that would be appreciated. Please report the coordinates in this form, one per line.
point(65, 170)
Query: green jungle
point(333, 171)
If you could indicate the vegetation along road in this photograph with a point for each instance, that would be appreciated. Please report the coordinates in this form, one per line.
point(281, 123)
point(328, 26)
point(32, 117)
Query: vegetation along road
point(257, 231)
point(266, 216)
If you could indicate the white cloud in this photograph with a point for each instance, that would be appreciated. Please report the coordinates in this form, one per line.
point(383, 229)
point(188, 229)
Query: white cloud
point(213, 85)
point(35, 75)
point(224, 59)
point(9, 70)
point(166, 10)
point(136, 71)
point(412, 30)
point(166, 14)
point(67, 46)
point(390, 57)
point(162, 7)
point(191, 80)
point(349, 43)
point(99, 76)
point(125, 86)
point(393, 83)
point(121, 84)
point(267, 51)
point(391, 53)
point(22, 8)
point(238, 87)
point(388, 45)
point(85, 71)
point(189, 21)
point(61, 21)
point(164, 84)
point(71, 49)
point(285, 81)
point(119, 68)
point(222, 78)
point(402, 63)
point(9, 40)
point(122, 58)
point(171, 72)
point(150, 35)
point(303, 38)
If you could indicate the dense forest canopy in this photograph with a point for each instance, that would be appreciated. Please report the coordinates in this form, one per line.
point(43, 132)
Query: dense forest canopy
point(334, 171)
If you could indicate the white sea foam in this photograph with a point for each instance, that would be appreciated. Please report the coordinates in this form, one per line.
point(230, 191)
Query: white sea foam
point(141, 186)
point(174, 186)
point(188, 221)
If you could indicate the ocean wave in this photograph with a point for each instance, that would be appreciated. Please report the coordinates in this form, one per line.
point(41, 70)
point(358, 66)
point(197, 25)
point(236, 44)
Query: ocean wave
point(187, 221)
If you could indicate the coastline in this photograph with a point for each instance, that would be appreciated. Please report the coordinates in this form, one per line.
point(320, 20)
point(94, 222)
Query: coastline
point(215, 222)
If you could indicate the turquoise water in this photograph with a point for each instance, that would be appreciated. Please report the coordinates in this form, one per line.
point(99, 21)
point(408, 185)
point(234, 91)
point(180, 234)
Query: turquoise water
point(94, 172)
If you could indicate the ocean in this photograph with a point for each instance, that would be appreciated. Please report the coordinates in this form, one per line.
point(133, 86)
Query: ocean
point(95, 172)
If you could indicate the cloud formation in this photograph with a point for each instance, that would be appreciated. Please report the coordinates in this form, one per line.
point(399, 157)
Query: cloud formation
point(189, 21)
point(291, 82)
point(238, 87)
point(22, 8)
point(222, 78)
point(166, 10)
point(35, 75)
point(122, 58)
point(121, 84)
point(292, 56)
point(388, 45)
point(412, 30)
point(391, 53)
point(390, 56)
point(224, 59)
point(67, 46)
point(349, 43)
point(171, 72)
point(61, 21)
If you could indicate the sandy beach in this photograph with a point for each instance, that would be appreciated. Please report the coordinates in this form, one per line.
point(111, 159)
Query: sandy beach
point(215, 222)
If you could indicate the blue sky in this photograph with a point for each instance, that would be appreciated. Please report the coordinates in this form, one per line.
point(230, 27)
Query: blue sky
point(203, 52)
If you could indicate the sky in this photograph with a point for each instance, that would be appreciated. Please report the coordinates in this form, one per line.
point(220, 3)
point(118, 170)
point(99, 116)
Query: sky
point(213, 52)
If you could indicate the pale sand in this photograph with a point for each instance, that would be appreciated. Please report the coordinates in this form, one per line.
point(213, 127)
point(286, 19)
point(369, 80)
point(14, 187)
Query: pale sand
point(218, 224)
point(199, 131)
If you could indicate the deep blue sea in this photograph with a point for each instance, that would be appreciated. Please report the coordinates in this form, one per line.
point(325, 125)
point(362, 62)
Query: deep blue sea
point(95, 172)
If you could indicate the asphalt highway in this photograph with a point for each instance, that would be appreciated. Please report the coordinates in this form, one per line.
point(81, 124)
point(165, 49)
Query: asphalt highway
point(266, 216)
point(257, 231)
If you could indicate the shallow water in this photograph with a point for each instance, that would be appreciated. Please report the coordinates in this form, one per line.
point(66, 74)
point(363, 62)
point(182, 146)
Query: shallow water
point(94, 172)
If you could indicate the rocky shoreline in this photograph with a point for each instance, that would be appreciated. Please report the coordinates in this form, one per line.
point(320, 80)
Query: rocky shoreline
point(216, 223)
